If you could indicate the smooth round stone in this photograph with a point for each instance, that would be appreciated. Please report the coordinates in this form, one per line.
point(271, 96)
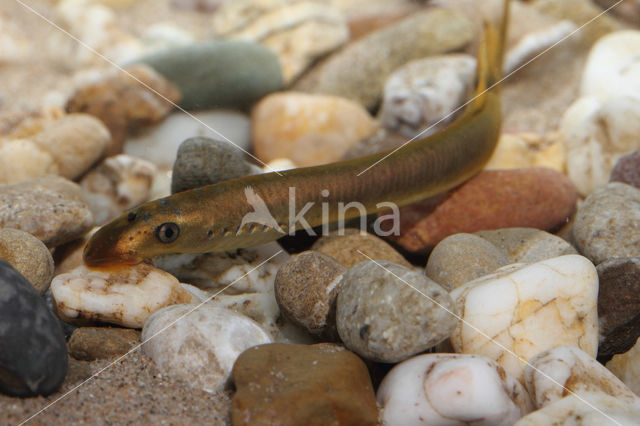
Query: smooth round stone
point(387, 313)
point(29, 256)
point(461, 258)
point(33, 354)
point(595, 134)
point(219, 74)
point(534, 197)
point(90, 343)
point(626, 367)
point(62, 214)
point(306, 287)
point(521, 310)
point(522, 150)
point(527, 245)
point(321, 384)
point(444, 389)
point(627, 169)
point(308, 129)
point(359, 70)
point(203, 161)
point(618, 304)
point(22, 159)
point(199, 345)
point(346, 248)
point(606, 224)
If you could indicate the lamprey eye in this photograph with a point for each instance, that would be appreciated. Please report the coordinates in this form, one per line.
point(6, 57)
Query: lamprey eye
point(167, 232)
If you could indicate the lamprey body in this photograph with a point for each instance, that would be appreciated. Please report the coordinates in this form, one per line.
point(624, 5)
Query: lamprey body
point(210, 218)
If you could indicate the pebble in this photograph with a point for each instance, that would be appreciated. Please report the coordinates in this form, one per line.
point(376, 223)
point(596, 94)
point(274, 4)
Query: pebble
point(425, 95)
point(613, 67)
point(526, 309)
point(29, 256)
point(308, 129)
point(626, 367)
point(306, 288)
point(219, 74)
point(117, 184)
point(15, 47)
point(203, 161)
point(33, 359)
point(386, 312)
point(446, 389)
point(298, 31)
point(204, 6)
point(61, 214)
point(382, 140)
point(461, 258)
point(627, 169)
point(159, 144)
point(527, 245)
point(21, 159)
point(618, 305)
point(347, 248)
point(135, 97)
point(319, 384)
point(122, 295)
point(199, 345)
point(522, 150)
point(605, 226)
point(595, 134)
point(536, 197)
point(627, 10)
point(91, 343)
point(359, 70)
point(165, 35)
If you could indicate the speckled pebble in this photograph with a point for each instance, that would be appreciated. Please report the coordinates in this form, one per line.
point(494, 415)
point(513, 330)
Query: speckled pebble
point(28, 255)
point(33, 353)
point(90, 343)
point(627, 169)
point(306, 287)
point(203, 161)
point(50, 208)
point(387, 313)
point(461, 258)
point(606, 224)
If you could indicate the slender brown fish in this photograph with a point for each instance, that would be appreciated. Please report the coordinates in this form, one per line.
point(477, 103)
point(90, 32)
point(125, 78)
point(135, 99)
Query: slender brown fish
point(211, 218)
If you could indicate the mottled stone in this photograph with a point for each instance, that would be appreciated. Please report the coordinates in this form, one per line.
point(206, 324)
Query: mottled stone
point(537, 197)
point(521, 310)
point(28, 255)
point(21, 159)
point(522, 150)
point(50, 208)
point(306, 288)
point(199, 343)
point(308, 129)
point(627, 169)
point(300, 384)
point(33, 354)
point(527, 245)
point(387, 313)
point(90, 343)
point(359, 70)
point(443, 389)
point(461, 258)
point(204, 161)
point(626, 367)
point(605, 226)
point(345, 246)
point(618, 305)
point(219, 74)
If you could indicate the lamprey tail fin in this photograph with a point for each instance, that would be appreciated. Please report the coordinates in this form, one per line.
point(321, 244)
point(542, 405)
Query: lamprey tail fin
point(496, 44)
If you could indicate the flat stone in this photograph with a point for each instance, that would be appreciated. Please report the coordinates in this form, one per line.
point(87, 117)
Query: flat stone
point(91, 343)
point(29, 256)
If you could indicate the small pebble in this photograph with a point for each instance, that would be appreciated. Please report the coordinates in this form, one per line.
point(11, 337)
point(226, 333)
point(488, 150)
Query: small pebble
point(122, 295)
point(626, 367)
point(308, 129)
point(91, 343)
point(386, 312)
point(606, 224)
point(522, 150)
point(199, 345)
point(61, 214)
point(203, 161)
point(618, 305)
point(319, 384)
point(445, 389)
point(528, 309)
point(33, 355)
point(306, 287)
point(219, 74)
point(627, 169)
point(29, 256)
